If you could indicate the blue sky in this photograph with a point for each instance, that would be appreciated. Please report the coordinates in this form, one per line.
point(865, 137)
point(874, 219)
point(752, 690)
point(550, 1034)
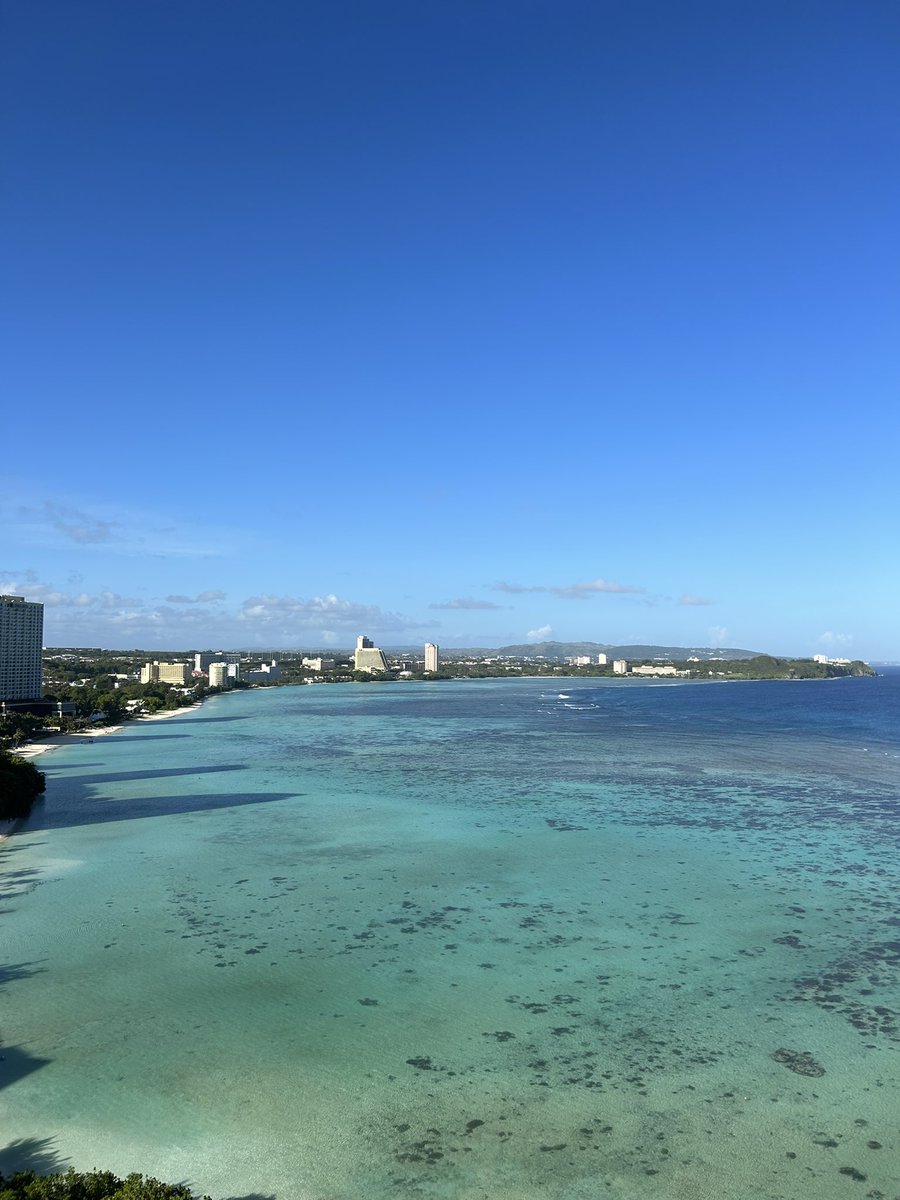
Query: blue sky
point(472, 322)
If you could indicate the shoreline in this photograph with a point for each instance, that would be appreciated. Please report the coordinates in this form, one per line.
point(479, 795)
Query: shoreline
point(55, 740)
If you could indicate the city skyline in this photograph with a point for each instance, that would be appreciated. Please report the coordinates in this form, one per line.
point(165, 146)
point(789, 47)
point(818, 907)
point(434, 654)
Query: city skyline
point(472, 325)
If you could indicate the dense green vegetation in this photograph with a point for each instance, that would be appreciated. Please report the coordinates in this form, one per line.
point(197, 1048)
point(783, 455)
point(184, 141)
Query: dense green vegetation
point(20, 785)
point(91, 1185)
point(765, 666)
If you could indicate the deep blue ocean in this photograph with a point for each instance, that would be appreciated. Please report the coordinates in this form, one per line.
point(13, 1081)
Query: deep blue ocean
point(479, 939)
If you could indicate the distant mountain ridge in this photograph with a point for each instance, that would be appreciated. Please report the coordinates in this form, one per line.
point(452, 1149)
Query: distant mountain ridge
point(570, 649)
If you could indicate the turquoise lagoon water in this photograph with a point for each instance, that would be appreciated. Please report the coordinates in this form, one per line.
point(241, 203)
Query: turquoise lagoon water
point(496, 939)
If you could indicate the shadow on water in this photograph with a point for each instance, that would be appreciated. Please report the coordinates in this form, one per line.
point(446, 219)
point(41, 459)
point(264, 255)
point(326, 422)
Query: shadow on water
point(16, 1063)
point(88, 810)
point(203, 720)
point(254, 1196)
point(18, 883)
point(12, 972)
point(31, 1154)
point(125, 776)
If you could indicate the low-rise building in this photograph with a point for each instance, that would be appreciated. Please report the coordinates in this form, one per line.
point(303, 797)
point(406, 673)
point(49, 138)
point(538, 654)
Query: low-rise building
point(166, 672)
point(319, 664)
point(264, 673)
point(657, 669)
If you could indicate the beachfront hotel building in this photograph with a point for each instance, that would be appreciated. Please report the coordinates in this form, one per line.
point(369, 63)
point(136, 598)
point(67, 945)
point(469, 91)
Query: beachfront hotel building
point(166, 672)
point(21, 640)
point(367, 657)
point(432, 657)
point(620, 666)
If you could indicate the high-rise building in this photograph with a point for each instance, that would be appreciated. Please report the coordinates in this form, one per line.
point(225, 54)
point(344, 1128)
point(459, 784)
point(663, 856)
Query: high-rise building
point(21, 639)
point(432, 657)
point(601, 660)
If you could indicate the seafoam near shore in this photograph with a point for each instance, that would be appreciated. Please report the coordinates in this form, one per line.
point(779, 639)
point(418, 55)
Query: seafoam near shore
point(458, 940)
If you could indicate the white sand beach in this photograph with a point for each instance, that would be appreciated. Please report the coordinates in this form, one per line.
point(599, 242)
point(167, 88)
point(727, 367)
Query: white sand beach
point(54, 740)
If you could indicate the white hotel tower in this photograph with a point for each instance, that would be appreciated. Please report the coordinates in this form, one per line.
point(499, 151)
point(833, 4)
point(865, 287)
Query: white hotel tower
point(21, 638)
point(432, 657)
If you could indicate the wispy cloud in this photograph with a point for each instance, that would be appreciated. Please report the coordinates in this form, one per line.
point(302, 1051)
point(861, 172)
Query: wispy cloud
point(201, 598)
point(829, 638)
point(573, 591)
point(99, 529)
point(466, 602)
point(691, 601)
point(718, 635)
point(515, 589)
point(581, 591)
point(74, 524)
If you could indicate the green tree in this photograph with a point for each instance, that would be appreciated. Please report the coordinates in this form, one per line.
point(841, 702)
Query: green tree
point(20, 785)
point(91, 1185)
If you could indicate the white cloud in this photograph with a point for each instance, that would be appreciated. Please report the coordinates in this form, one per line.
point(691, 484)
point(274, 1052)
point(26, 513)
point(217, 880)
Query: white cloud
point(691, 601)
point(79, 618)
point(539, 635)
point(27, 584)
point(718, 635)
point(321, 613)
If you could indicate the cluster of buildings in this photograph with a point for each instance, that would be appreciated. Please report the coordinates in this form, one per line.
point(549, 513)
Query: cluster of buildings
point(225, 670)
point(369, 659)
point(221, 670)
point(620, 665)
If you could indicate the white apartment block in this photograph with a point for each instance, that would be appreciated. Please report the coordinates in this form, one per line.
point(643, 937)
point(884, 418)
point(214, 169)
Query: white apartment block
point(432, 656)
point(601, 660)
point(21, 639)
point(620, 666)
point(218, 675)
